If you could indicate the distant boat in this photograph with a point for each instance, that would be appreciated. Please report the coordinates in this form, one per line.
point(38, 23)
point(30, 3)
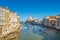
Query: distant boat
point(25, 27)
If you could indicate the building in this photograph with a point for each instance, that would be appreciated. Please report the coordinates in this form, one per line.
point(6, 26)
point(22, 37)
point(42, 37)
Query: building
point(46, 21)
point(9, 22)
point(3, 18)
point(58, 22)
point(36, 20)
point(13, 19)
point(52, 21)
point(30, 19)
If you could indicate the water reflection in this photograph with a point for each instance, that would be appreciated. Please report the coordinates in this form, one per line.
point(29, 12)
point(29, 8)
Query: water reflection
point(52, 34)
point(33, 32)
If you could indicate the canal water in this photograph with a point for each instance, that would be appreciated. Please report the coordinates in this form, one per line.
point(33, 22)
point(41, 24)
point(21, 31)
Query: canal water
point(33, 32)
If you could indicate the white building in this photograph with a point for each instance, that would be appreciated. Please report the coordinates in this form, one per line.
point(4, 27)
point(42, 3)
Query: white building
point(13, 20)
point(2, 16)
point(46, 21)
point(2, 19)
point(30, 19)
point(9, 21)
point(52, 21)
point(58, 22)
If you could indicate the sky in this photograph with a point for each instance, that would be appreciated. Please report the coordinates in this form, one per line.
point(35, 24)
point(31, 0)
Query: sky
point(35, 8)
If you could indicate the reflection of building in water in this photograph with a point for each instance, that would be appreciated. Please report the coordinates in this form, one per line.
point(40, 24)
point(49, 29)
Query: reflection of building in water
point(9, 22)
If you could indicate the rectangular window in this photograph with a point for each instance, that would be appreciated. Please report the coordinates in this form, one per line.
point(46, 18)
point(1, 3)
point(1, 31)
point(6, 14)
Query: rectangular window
point(57, 21)
point(57, 24)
